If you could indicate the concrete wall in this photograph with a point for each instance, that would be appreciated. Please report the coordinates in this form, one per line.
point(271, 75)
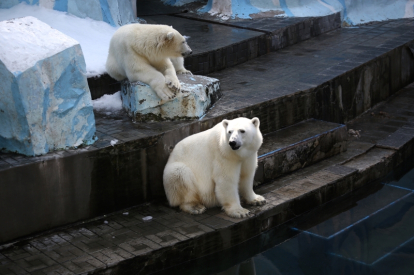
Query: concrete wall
point(352, 11)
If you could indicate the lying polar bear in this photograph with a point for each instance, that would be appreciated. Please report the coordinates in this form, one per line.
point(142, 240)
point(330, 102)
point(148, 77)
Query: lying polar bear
point(211, 168)
point(152, 54)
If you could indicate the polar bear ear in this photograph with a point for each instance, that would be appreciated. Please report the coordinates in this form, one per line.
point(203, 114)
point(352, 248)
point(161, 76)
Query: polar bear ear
point(225, 123)
point(169, 36)
point(256, 122)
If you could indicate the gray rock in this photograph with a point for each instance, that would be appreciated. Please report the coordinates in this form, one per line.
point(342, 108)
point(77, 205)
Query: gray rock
point(45, 102)
point(198, 94)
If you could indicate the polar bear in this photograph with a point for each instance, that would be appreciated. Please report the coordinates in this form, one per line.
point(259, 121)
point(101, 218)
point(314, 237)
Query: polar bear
point(211, 168)
point(149, 53)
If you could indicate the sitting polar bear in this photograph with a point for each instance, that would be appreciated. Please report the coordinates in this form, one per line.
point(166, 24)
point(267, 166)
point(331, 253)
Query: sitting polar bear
point(152, 54)
point(211, 168)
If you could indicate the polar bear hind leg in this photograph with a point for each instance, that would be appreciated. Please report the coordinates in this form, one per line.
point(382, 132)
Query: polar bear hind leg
point(180, 188)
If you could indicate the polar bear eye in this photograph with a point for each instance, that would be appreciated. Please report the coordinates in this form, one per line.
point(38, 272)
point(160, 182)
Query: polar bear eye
point(242, 131)
point(230, 132)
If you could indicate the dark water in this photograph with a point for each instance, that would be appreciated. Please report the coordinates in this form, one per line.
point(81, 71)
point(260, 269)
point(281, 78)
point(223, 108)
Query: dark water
point(370, 231)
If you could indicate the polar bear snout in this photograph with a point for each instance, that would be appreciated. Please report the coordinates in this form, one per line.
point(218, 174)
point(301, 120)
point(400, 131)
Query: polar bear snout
point(187, 53)
point(185, 49)
point(234, 145)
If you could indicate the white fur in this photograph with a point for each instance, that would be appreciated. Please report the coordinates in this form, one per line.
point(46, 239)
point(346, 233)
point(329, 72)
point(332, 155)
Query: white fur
point(204, 171)
point(152, 54)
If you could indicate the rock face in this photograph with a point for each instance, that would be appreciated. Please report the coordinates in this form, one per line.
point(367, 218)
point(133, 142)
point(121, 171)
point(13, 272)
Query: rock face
point(114, 12)
point(198, 94)
point(45, 102)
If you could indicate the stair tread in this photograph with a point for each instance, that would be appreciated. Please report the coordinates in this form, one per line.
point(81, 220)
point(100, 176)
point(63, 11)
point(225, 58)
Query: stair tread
point(204, 37)
point(291, 135)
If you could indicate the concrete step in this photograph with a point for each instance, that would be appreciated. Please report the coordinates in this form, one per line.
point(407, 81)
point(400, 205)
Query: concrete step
point(217, 45)
point(334, 77)
point(298, 146)
point(124, 243)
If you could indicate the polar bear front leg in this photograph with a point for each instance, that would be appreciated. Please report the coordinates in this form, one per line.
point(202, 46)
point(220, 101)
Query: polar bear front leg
point(227, 195)
point(246, 182)
point(171, 79)
point(178, 63)
point(144, 72)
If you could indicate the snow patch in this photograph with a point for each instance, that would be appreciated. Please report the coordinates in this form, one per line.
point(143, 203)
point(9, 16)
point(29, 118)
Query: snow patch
point(92, 35)
point(108, 103)
point(25, 41)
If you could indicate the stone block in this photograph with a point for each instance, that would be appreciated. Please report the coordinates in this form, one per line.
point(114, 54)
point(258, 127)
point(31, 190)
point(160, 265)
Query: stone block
point(198, 94)
point(114, 12)
point(45, 102)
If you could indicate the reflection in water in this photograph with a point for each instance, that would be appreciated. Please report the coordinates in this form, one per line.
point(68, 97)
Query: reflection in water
point(370, 231)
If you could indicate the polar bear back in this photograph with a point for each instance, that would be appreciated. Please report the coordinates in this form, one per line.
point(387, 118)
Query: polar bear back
point(134, 44)
point(195, 149)
point(142, 39)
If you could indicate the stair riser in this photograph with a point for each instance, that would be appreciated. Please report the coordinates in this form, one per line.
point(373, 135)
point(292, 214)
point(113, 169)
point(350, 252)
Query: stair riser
point(301, 155)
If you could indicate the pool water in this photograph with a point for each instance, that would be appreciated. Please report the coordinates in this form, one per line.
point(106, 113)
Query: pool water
point(369, 231)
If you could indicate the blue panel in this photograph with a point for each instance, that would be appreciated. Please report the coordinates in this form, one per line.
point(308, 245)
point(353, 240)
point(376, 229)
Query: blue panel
point(285, 8)
point(106, 13)
point(207, 7)
point(61, 5)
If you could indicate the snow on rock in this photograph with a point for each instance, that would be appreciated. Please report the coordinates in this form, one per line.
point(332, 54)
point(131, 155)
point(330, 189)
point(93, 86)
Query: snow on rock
point(45, 102)
point(198, 94)
point(25, 43)
point(93, 36)
point(113, 12)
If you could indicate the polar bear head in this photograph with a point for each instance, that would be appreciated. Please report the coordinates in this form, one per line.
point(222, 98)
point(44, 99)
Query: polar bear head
point(243, 133)
point(174, 44)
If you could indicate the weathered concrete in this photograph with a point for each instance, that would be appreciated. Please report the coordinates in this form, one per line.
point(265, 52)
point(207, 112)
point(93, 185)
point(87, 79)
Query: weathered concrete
point(197, 95)
point(122, 243)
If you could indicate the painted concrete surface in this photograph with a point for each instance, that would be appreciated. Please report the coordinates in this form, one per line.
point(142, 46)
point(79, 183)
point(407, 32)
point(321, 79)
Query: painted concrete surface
point(45, 99)
point(197, 95)
point(114, 12)
point(353, 12)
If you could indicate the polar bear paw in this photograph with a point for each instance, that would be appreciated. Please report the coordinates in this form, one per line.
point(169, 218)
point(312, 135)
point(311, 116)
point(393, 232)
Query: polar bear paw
point(259, 200)
point(163, 92)
point(193, 208)
point(184, 71)
point(238, 213)
point(173, 85)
